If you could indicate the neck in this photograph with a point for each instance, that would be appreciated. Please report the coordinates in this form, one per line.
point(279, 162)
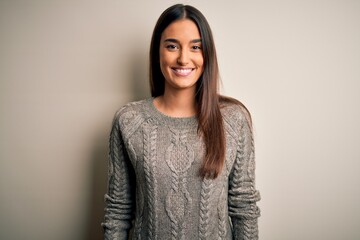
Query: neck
point(176, 104)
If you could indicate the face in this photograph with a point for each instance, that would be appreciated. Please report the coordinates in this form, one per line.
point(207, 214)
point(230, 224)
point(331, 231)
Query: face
point(181, 59)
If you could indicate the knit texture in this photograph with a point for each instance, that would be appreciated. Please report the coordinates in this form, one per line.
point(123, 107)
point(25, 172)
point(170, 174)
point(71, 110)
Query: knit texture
point(154, 185)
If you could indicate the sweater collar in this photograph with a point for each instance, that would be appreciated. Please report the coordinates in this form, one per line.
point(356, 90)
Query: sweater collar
point(168, 120)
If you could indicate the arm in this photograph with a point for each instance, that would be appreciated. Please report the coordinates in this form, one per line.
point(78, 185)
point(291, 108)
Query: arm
point(242, 193)
point(119, 199)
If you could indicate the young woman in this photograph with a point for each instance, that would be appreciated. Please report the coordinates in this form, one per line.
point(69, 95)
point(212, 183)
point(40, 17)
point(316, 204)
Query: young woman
point(182, 162)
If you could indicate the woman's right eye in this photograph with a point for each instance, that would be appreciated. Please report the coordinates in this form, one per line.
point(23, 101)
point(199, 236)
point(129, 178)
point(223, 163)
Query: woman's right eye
point(171, 47)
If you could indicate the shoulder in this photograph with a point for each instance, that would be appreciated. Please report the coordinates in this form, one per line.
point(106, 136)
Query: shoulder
point(235, 114)
point(233, 109)
point(130, 112)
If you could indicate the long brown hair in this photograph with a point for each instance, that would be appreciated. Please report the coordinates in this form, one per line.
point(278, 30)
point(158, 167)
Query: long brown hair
point(210, 122)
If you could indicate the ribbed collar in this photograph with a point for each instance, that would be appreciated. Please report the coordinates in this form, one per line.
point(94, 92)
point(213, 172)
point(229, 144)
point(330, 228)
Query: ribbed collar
point(178, 122)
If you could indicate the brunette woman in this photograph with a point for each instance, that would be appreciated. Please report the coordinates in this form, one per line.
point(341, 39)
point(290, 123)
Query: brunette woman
point(182, 162)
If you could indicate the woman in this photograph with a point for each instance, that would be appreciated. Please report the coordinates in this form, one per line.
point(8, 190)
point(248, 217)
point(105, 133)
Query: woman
point(182, 162)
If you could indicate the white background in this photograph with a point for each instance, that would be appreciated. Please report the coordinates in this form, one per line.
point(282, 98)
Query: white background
point(67, 66)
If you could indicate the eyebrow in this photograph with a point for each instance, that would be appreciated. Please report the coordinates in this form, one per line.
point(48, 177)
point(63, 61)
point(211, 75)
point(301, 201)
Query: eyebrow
point(173, 40)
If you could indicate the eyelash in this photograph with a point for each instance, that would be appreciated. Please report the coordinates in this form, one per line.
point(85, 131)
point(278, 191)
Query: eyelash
point(172, 47)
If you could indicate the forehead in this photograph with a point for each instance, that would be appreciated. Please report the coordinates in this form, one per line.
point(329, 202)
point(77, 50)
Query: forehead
point(181, 29)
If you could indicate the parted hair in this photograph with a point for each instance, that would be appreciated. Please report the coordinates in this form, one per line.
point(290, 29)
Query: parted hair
point(208, 99)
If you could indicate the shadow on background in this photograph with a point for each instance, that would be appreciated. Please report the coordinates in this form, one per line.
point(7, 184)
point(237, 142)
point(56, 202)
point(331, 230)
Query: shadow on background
point(98, 186)
point(140, 76)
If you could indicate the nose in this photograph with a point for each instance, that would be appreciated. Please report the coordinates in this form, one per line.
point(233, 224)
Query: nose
point(183, 58)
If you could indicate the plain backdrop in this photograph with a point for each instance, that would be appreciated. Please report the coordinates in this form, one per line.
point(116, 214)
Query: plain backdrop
point(67, 66)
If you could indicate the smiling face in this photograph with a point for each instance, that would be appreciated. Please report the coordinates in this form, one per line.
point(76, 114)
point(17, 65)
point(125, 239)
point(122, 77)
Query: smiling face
point(181, 59)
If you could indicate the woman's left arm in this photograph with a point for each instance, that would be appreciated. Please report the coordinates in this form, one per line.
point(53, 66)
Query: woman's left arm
point(242, 193)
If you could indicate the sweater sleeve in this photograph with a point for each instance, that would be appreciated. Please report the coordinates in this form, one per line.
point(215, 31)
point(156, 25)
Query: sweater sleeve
point(242, 193)
point(119, 199)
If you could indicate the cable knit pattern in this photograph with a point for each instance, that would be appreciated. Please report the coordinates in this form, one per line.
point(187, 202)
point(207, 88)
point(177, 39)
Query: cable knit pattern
point(205, 209)
point(222, 214)
point(120, 204)
point(154, 161)
point(242, 193)
point(151, 183)
point(179, 157)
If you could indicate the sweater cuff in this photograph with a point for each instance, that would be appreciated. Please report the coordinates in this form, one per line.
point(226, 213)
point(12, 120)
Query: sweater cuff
point(245, 229)
point(112, 232)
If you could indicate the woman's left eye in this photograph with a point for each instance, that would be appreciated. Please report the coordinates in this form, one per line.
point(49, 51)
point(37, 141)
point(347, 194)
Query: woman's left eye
point(196, 47)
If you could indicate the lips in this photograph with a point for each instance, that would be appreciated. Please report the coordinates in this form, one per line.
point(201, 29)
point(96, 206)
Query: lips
point(183, 72)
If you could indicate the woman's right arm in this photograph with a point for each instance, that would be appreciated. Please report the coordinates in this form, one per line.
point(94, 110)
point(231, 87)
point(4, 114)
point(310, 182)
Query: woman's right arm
point(120, 197)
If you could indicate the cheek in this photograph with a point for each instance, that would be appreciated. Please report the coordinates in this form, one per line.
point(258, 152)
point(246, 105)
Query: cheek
point(200, 62)
point(164, 64)
point(165, 59)
point(200, 65)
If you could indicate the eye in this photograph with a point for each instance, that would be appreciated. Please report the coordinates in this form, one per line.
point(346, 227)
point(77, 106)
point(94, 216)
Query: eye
point(171, 47)
point(196, 48)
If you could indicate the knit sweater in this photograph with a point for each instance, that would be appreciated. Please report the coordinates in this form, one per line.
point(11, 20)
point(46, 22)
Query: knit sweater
point(154, 185)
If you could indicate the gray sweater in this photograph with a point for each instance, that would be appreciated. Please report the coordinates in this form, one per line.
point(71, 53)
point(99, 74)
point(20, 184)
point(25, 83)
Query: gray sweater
point(154, 161)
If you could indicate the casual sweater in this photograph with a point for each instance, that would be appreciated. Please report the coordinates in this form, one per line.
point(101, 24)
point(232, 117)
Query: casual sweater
point(154, 163)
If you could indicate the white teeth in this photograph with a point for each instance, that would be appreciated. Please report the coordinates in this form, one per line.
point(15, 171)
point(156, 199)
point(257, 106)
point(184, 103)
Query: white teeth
point(183, 70)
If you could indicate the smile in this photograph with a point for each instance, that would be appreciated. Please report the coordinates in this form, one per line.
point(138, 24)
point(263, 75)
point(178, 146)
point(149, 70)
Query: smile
point(182, 71)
